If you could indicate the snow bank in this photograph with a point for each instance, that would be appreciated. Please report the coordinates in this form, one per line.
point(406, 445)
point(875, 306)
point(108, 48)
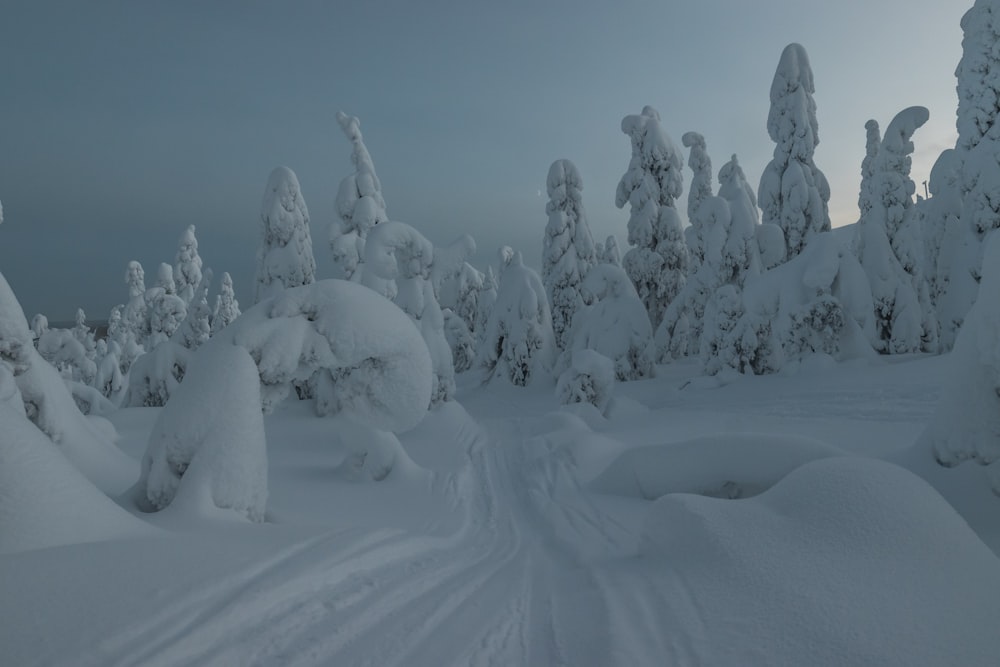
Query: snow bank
point(44, 500)
point(208, 442)
point(847, 561)
point(728, 466)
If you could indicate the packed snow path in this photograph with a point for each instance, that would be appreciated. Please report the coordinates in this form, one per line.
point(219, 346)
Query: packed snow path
point(501, 590)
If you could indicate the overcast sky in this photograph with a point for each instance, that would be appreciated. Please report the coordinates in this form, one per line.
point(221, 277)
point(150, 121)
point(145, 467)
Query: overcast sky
point(124, 122)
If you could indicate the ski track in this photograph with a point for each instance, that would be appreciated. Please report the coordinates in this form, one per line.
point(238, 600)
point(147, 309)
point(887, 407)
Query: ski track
point(507, 587)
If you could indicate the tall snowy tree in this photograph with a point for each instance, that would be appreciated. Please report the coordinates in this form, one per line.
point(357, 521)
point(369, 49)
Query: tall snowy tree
point(701, 189)
point(978, 76)
point(890, 248)
point(187, 265)
point(285, 255)
point(873, 140)
point(360, 206)
point(135, 316)
point(607, 253)
point(740, 257)
point(658, 261)
point(567, 247)
point(793, 192)
point(195, 329)
point(227, 308)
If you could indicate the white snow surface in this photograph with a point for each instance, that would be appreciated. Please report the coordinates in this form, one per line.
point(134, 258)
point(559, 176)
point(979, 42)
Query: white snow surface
point(496, 547)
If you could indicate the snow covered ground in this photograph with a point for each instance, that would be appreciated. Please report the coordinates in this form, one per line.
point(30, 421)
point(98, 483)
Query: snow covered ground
point(548, 535)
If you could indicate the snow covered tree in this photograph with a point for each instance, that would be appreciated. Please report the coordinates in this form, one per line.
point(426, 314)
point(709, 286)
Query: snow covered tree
point(227, 308)
point(39, 325)
point(195, 329)
point(84, 334)
point(949, 249)
point(567, 247)
point(165, 279)
point(360, 206)
point(135, 316)
point(740, 256)
point(461, 294)
point(615, 324)
point(793, 192)
point(966, 425)
point(166, 309)
point(108, 380)
point(607, 253)
point(701, 188)
point(285, 255)
point(518, 343)
point(396, 252)
point(890, 248)
point(460, 340)
point(187, 265)
point(873, 140)
point(590, 378)
point(978, 75)
point(485, 300)
point(658, 261)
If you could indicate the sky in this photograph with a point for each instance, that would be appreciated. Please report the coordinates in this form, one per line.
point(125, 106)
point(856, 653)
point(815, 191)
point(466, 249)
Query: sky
point(125, 122)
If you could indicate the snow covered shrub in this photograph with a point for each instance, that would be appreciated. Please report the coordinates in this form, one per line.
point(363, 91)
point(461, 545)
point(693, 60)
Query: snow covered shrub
point(67, 354)
point(460, 340)
point(615, 325)
point(363, 357)
point(567, 247)
point(793, 192)
point(816, 327)
point(658, 261)
point(518, 343)
point(589, 379)
point(740, 338)
point(966, 424)
point(362, 354)
point(396, 252)
point(155, 375)
point(208, 443)
point(108, 380)
point(285, 255)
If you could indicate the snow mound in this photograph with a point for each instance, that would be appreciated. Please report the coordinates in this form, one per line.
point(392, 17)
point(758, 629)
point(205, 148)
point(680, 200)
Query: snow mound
point(208, 443)
point(44, 500)
point(846, 561)
point(727, 466)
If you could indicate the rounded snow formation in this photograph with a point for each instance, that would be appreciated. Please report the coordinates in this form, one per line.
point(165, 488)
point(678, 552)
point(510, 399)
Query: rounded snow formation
point(729, 465)
point(359, 353)
point(847, 561)
point(208, 444)
point(44, 500)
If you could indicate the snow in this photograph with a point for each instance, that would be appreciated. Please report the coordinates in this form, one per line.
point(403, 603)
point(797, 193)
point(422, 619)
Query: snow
point(208, 443)
point(285, 255)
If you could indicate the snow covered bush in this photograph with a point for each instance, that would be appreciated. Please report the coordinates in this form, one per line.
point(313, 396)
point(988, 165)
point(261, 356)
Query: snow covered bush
point(615, 325)
point(966, 424)
point(187, 266)
point(67, 354)
point(816, 327)
point(285, 255)
point(155, 376)
point(567, 247)
point(396, 252)
point(208, 444)
point(590, 378)
point(793, 192)
point(460, 340)
point(658, 261)
point(363, 357)
point(360, 206)
point(109, 379)
point(518, 343)
point(890, 247)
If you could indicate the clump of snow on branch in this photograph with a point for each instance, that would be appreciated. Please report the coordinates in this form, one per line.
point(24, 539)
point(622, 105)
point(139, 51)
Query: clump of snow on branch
point(208, 445)
point(285, 255)
point(793, 192)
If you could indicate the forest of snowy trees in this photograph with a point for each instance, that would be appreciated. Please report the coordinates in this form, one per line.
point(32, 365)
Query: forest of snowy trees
point(751, 283)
